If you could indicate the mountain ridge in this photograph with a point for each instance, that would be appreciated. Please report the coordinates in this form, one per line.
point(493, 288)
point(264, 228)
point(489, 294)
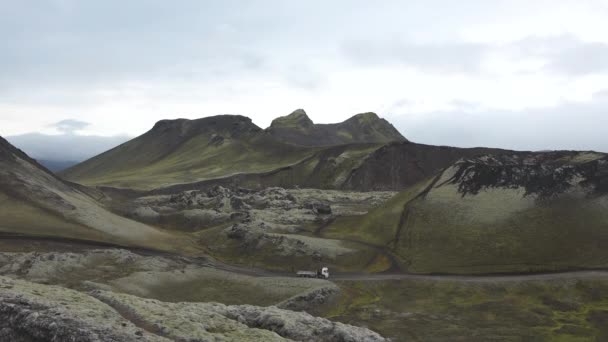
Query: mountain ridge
point(186, 151)
point(298, 128)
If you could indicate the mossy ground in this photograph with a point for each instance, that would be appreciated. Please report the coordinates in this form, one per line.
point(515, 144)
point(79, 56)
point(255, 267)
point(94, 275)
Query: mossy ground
point(267, 256)
point(420, 310)
point(495, 231)
point(210, 285)
point(464, 236)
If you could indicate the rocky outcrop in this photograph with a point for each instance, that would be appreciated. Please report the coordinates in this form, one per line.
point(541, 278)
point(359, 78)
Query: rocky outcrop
point(86, 265)
point(35, 312)
point(545, 174)
point(282, 209)
point(234, 322)
point(298, 326)
point(297, 128)
point(229, 125)
point(310, 299)
point(256, 235)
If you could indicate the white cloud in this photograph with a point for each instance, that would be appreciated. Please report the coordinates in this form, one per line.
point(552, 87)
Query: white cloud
point(121, 68)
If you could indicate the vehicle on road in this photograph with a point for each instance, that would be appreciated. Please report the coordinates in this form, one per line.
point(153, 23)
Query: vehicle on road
point(322, 273)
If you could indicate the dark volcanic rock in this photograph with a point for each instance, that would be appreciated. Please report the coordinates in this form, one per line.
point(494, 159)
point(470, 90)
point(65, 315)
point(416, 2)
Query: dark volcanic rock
point(543, 173)
point(318, 207)
point(232, 125)
point(397, 166)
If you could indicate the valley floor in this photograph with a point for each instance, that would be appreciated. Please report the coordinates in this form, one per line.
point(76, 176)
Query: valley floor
point(566, 306)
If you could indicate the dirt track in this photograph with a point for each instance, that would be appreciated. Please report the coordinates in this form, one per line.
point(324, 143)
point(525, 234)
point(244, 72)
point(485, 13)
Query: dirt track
point(84, 244)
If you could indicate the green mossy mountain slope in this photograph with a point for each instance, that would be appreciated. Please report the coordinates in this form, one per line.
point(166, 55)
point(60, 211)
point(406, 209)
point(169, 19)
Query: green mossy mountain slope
point(516, 212)
point(186, 151)
point(35, 202)
point(231, 148)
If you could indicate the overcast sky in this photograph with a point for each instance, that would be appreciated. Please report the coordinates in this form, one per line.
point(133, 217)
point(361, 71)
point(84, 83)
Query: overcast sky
point(515, 74)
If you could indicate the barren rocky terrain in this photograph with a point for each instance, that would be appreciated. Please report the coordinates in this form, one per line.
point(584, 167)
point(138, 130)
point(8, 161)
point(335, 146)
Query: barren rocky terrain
point(33, 311)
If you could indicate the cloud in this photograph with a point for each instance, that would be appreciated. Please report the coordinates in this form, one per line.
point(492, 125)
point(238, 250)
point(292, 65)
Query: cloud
point(568, 126)
point(564, 54)
point(70, 126)
point(559, 55)
point(447, 57)
point(115, 62)
point(71, 43)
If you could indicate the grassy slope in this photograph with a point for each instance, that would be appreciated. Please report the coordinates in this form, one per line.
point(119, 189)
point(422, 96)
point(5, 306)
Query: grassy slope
point(33, 201)
point(379, 226)
point(501, 230)
point(419, 310)
point(210, 285)
point(17, 216)
point(192, 161)
point(88, 221)
point(256, 161)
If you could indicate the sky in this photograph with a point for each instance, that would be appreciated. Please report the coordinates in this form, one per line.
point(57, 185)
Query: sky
point(528, 75)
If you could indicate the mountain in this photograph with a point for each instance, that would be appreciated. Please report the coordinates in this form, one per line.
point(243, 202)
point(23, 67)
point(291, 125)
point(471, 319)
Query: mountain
point(57, 165)
point(230, 150)
point(297, 128)
point(185, 151)
point(36, 202)
point(509, 212)
point(360, 167)
point(230, 146)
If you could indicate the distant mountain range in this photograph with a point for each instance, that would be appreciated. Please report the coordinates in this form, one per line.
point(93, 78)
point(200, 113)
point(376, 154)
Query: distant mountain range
point(57, 165)
point(58, 152)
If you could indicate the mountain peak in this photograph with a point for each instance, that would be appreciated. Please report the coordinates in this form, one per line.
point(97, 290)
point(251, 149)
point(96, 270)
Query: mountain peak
point(225, 124)
point(297, 128)
point(364, 118)
point(297, 119)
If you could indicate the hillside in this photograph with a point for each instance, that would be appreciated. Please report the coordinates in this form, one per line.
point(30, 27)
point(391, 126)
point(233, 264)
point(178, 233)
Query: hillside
point(35, 202)
point(227, 147)
point(185, 151)
point(511, 212)
point(297, 128)
point(360, 167)
point(399, 165)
